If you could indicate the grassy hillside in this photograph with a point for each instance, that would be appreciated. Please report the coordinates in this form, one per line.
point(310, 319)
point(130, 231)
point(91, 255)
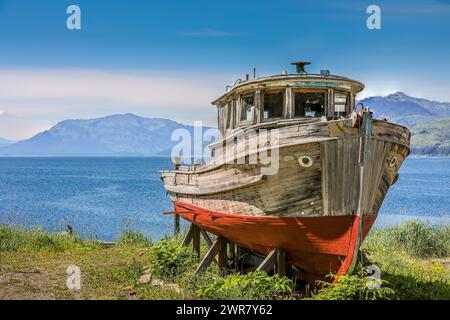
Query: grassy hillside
point(414, 262)
point(431, 137)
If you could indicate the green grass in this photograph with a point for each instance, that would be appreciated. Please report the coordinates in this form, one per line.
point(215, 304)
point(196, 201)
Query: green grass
point(416, 238)
point(170, 260)
point(410, 258)
point(37, 259)
point(251, 286)
point(13, 239)
point(413, 258)
point(357, 286)
point(132, 238)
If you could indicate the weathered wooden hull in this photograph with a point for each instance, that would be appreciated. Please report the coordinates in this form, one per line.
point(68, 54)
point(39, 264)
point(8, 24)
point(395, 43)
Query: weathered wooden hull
point(311, 212)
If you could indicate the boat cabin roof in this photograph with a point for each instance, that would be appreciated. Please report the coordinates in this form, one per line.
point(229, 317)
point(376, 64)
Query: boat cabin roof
point(306, 80)
point(283, 97)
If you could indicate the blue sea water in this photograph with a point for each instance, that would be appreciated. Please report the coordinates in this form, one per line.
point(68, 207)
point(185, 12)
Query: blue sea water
point(99, 197)
point(421, 193)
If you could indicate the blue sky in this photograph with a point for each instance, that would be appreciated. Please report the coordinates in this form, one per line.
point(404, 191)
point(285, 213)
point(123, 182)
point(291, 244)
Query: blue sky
point(171, 58)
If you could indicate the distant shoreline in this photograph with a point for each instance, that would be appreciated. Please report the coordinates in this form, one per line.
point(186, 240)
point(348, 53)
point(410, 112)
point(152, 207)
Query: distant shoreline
point(412, 155)
point(85, 156)
point(415, 155)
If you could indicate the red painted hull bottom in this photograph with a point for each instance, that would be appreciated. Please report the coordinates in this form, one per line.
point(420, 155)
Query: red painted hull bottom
point(317, 246)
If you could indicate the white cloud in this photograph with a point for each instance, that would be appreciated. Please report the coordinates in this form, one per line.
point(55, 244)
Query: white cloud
point(4, 113)
point(42, 97)
point(152, 90)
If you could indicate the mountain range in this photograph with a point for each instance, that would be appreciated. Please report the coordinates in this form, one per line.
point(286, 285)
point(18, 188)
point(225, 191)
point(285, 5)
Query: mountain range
point(4, 142)
point(428, 120)
point(129, 134)
point(121, 134)
point(401, 108)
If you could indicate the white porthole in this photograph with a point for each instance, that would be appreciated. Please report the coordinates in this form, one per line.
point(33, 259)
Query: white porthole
point(305, 161)
point(392, 162)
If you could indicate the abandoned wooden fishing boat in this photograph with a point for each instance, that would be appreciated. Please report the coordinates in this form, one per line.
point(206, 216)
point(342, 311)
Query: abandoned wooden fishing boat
point(298, 167)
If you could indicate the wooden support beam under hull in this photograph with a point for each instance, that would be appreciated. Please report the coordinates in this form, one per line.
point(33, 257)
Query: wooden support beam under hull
point(281, 262)
point(209, 257)
point(207, 238)
point(188, 236)
point(275, 260)
point(176, 224)
point(217, 248)
point(196, 239)
point(223, 258)
point(269, 262)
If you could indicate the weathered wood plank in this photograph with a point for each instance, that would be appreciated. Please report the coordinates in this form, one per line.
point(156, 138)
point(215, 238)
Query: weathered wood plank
point(196, 239)
point(188, 236)
point(207, 238)
point(209, 257)
point(269, 262)
point(223, 258)
point(281, 262)
point(325, 176)
point(218, 188)
point(176, 226)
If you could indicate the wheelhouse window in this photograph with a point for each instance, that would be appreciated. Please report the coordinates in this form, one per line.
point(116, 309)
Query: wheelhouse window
point(273, 105)
point(309, 104)
point(247, 107)
point(340, 103)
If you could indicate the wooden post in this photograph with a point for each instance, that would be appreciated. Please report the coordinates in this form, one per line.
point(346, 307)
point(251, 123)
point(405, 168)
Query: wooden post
point(209, 257)
point(176, 224)
point(233, 254)
point(281, 262)
point(208, 241)
point(207, 238)
point(196, 239)
point(188, 237)
point(223, 265)
point(269, 262)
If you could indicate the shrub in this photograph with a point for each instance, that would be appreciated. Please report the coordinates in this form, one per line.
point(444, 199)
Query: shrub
point(130, 238)
point(13, 239)
point(416, 238)
point(399, 252)
point(421, 240)
point(169, 259)
point(251, 286)
point(413, 278)
point(354, 287)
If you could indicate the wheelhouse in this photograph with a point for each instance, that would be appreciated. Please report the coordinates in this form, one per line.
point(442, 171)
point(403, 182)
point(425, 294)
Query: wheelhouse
point(286, 97)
